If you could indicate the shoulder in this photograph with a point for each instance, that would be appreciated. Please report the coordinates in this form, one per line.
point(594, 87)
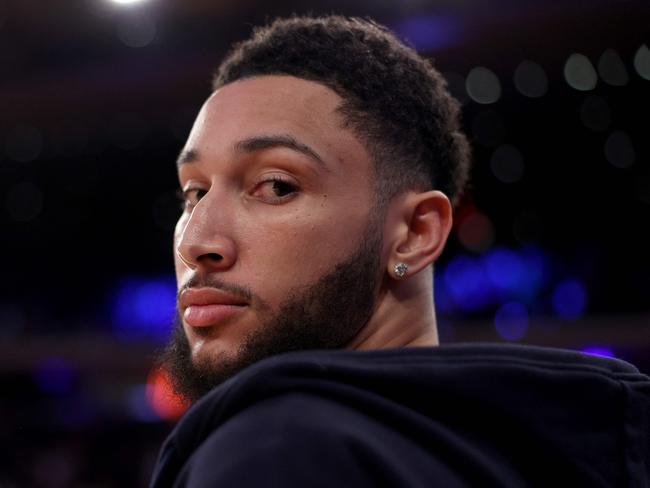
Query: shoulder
point(294, 439)
point(301, 439)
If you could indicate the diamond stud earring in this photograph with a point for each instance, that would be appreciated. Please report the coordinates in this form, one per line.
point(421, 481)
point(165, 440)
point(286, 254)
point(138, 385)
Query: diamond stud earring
point(400, 269)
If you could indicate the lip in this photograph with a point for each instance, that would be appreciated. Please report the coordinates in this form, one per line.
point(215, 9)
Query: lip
point(209, 306)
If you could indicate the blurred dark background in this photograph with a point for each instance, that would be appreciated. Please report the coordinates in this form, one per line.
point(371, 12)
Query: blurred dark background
point(550, 244)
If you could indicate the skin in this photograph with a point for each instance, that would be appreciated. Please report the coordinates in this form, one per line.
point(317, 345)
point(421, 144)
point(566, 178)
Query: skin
point(273, 239)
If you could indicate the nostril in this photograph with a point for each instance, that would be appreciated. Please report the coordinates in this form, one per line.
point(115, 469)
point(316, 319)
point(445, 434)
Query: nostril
point(212, 256)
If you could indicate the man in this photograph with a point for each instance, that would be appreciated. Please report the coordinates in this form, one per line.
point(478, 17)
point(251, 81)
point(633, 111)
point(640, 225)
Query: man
point(318, 183)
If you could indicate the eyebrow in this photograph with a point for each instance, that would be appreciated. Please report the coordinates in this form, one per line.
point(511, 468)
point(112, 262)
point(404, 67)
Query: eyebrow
point(259, 143)
point(186, 156)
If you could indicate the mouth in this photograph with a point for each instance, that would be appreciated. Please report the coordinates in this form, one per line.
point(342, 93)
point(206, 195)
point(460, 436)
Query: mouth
point(203, 307)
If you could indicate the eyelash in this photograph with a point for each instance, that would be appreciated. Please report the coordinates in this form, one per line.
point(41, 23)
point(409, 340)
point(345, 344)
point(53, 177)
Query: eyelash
point(284, 181)
point(186, 202)
point(184, 197)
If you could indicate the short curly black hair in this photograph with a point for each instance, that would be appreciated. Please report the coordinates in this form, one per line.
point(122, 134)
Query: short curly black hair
point(393, 99)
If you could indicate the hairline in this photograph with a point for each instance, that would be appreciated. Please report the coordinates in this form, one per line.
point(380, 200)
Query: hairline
point(346, 104)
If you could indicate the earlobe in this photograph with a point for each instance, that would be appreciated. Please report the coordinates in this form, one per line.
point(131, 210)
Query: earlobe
point(426, 223)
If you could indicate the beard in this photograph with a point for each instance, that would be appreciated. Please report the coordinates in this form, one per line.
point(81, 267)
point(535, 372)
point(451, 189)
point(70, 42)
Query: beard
point(327, 314)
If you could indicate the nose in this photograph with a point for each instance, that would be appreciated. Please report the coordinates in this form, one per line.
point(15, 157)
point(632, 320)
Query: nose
point(203, 243)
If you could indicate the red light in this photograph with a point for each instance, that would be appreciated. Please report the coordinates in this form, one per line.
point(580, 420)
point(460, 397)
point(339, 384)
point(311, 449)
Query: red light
point(162, 398)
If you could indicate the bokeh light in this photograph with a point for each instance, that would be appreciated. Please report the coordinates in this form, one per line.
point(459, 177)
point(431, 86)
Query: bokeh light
point(507, 164)
point(619, 150)
point(483, 85)
point(161, 396)
point(569, 299)
point(467, 283)
point(144, 308)
point(530, 79)
point(136, 31)
point(511, 321)
point(55, 376)
point(612, 69)
point(580, 73)
point(138, 404)
point(128, 2)
point(476, 232)
point(642, 62)
point(517, 274)
point(501, 275)
point(429, 32)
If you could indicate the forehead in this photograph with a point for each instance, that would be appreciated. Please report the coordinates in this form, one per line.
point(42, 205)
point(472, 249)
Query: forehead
point(264, 105)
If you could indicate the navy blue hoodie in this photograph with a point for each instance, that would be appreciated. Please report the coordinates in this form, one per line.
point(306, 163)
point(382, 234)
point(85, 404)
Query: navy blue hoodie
point(449, 416)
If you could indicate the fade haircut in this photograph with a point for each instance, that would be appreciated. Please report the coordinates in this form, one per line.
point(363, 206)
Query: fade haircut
point(393, 99)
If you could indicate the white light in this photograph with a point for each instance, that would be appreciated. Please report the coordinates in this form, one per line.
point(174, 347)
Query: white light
point(580, 73)
point(642, 62)
point(530, 79)
point(127, 2)
point(507, 164)
point(611, 69)
point(483, 86)
point(137, 31)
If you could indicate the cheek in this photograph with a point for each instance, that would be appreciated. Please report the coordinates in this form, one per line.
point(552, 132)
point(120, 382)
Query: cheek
point(298, 249)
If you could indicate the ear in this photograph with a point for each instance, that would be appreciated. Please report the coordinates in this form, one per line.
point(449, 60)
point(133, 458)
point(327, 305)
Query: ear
point(423, 222)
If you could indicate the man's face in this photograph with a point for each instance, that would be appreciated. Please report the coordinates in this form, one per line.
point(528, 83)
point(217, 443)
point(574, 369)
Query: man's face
point(278, 248)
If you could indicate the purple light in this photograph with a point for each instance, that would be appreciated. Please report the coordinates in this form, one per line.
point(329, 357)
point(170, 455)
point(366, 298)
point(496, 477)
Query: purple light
point(444, 302)
point(54, 375)
point(569, 299)
point(517, 274)
point(144, 307)
point(505, 268)
point(138, 406)
point(598, 351)
point(467, 284)
point(430, 32)
point(511, 321)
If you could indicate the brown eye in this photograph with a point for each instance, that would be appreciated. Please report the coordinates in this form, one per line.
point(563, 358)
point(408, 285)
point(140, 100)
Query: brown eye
point(276, 189)
point(282, 188)
point(190, 197)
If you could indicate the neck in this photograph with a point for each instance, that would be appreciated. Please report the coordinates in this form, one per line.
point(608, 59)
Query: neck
point(404, 316)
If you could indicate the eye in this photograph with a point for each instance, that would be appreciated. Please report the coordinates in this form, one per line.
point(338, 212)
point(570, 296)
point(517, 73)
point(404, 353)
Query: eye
point(190, 197)
point(276, 189)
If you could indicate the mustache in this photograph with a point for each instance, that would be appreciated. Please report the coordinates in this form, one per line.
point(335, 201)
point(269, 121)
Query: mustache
point(199, 281)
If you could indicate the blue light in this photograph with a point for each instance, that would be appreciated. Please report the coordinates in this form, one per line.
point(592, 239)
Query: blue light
point(144, 308)
point(430, 32)
point(518, 275)
point(569, 299)
point(505, 268)
point(598, 351)
point(511, 321)
point(467, 283)
point(54, 375)
point(137, 405)
point(442, 298)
